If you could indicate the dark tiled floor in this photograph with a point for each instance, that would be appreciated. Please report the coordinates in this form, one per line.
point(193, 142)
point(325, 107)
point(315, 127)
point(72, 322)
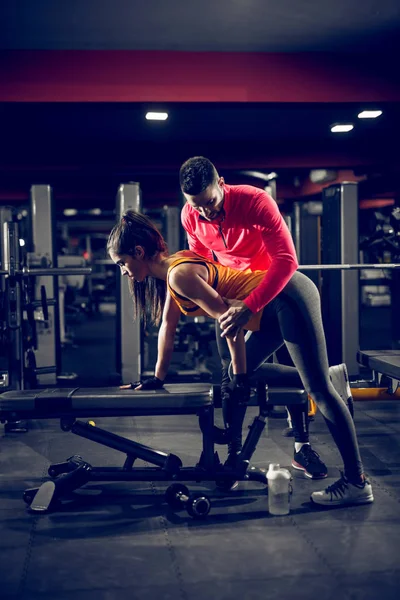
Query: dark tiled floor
point(121, 541)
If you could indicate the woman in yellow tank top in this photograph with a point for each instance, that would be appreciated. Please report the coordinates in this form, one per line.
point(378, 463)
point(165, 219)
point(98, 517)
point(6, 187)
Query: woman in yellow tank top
point(165, 286)
point(229, 283)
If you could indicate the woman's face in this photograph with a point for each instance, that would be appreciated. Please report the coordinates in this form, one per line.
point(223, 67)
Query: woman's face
point(133, 267)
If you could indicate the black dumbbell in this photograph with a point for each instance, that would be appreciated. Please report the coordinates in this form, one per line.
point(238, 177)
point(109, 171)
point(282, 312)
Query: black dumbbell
point(197, 505)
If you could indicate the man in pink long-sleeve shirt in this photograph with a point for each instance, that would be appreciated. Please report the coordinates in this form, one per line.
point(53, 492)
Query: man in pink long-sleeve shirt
point(241, 227)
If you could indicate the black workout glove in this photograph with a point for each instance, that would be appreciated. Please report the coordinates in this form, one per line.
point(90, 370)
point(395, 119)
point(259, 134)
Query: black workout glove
point(239, 389)
point(152, 383)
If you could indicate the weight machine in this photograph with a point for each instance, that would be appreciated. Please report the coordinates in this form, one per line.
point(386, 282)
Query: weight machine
point(29, 299)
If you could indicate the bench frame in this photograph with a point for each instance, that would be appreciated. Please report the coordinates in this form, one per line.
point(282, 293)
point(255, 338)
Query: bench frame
point(75, 472)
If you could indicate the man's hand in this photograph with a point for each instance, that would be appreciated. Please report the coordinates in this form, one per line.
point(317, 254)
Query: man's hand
point(234, 318)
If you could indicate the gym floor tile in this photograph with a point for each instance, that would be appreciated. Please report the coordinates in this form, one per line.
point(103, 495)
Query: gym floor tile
point(266, 550)
point(120, 540)
point(148, 592)
point(267, 585)
point(12, 568)
point(370, 548)
point(116, 558)
point(371, 586)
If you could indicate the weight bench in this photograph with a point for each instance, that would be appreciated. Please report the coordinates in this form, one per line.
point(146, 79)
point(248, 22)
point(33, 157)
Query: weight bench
point(382, 363)
point(71, 405)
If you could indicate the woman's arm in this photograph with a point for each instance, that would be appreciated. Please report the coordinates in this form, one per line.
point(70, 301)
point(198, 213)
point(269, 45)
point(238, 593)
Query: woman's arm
point(190, 280)
point(166, 337)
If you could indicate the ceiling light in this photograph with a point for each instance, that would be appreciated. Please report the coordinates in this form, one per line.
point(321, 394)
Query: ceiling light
point(156, 116)
point(341, 128)
point(21, 242)
point(369, 114)
point(70, 212)
point(95, 211)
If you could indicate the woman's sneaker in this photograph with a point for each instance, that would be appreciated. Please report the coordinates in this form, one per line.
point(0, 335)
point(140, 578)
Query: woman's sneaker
point(340, 381)
point(342, 492)
point(308, 461)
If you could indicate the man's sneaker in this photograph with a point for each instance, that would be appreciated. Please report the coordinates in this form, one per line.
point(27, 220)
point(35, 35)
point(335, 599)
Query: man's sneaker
point(342, 492)
point(308, 461)
point(340, 381)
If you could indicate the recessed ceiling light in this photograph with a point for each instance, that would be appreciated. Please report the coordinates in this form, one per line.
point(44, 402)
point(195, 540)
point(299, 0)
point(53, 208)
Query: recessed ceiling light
point(369, 114)
point(70, 212)
point(341, 128)
point(156, 116)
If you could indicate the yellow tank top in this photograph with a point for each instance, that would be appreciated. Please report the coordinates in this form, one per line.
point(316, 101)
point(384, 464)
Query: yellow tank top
point(228, 282)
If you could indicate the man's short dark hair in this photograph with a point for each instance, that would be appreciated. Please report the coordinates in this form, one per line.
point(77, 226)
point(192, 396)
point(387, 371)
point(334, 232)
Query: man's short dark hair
point(196, 174)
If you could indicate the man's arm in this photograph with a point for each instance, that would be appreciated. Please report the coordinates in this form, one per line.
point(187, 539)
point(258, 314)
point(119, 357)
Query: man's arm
point(278, 241)
point(195, 245)
point(264, 215)
point(190, 281)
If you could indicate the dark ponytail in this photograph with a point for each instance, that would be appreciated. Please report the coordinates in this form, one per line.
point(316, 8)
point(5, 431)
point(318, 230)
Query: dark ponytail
point(134, 229)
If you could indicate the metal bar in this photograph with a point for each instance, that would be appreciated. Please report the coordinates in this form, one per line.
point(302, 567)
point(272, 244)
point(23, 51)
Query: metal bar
point(117, 442)
point(52, 272)
point(87, 270)
point(348, 267)
point(39, 304)
point(129, 332)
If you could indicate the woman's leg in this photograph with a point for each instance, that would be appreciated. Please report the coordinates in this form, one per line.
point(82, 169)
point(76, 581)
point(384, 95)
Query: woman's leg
point(233, 413)
point(258, 349)
point(259, 346)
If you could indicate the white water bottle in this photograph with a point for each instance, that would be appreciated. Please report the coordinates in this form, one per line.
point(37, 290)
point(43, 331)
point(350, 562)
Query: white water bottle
point(279, 490)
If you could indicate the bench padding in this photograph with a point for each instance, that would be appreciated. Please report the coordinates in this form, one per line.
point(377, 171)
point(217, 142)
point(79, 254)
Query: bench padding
point(386, 362)
point(57, 402)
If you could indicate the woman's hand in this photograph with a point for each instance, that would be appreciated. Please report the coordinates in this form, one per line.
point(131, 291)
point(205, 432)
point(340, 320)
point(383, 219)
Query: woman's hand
point(152, 383)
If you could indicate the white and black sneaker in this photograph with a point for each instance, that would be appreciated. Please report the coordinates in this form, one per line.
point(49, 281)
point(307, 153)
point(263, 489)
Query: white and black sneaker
point(344, 493)
point(340, 381)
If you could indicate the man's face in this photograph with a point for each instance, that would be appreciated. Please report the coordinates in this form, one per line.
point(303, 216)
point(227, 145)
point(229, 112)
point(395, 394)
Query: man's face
point(210, 202)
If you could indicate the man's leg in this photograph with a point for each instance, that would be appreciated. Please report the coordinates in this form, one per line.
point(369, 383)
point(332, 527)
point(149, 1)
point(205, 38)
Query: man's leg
point(299, 313)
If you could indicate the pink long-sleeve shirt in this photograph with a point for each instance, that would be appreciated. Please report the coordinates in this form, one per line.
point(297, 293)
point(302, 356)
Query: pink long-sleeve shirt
point(252, 235)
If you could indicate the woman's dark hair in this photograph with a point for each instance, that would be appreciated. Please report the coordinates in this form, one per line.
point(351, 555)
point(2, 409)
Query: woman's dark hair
point(134, 229)
point(196, 174)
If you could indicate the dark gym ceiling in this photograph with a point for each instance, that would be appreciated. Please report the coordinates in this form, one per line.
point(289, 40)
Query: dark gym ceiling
point(84, 149)
point(203, 25)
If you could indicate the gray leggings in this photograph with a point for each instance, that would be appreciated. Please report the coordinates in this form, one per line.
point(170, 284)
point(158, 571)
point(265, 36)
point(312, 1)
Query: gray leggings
point(294, 318)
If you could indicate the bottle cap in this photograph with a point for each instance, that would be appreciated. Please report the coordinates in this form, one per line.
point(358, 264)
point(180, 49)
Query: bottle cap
point(274, 467)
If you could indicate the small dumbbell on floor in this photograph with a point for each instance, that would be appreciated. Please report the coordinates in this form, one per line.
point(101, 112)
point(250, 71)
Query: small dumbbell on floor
point(197, 505)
